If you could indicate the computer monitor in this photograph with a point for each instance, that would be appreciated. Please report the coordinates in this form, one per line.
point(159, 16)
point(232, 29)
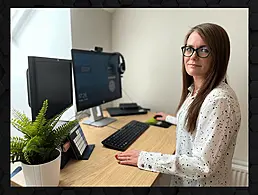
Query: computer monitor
point(97, 81)
point(49, 78)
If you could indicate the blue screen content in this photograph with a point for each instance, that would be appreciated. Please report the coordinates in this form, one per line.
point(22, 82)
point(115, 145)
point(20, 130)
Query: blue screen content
point(97, 79)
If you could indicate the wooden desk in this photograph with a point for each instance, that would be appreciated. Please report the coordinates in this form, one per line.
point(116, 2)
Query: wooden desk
point(102, 168)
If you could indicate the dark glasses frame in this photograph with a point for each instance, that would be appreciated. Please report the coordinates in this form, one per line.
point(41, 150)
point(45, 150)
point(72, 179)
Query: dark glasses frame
point(194, 50)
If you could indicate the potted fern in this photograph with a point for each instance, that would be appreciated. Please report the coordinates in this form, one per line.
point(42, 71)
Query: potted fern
point(39, 150)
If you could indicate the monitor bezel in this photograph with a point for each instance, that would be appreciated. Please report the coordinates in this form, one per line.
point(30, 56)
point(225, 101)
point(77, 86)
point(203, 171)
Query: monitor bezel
point(32, 79)
point(82, 108)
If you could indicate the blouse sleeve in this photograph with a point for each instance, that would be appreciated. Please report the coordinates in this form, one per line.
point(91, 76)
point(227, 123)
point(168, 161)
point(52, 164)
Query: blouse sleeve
point(216, 126)
point(171, 119)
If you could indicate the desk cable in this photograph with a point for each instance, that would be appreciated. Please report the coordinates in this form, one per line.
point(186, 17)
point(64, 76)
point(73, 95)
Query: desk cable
point(127, 95)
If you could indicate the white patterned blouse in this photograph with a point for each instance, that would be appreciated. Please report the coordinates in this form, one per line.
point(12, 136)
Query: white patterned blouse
point(203, 158)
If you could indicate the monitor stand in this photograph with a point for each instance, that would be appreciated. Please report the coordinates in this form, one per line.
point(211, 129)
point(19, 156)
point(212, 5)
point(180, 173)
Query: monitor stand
point(97, 119)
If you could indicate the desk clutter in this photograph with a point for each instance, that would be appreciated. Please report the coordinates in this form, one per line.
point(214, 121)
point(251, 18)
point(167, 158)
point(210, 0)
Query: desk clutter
point(79, 148)
point(126, 109)
point(119, 140)
point(103, 157)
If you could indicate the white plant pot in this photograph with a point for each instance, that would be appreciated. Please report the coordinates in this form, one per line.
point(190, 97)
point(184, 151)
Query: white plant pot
point(47, 174)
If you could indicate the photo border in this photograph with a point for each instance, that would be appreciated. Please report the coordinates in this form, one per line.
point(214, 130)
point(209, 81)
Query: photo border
point(5, 98)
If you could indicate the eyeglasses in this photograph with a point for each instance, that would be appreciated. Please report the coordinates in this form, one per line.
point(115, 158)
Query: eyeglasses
point(202, 52)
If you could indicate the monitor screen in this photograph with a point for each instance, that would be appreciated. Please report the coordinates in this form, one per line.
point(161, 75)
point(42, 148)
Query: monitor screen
point(96, 77)
point(49, 78)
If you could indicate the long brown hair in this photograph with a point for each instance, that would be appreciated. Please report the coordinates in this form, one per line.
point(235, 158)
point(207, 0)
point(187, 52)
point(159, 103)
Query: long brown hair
point(218, 41)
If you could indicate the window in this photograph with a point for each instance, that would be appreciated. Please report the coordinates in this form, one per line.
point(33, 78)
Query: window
point(19, 17)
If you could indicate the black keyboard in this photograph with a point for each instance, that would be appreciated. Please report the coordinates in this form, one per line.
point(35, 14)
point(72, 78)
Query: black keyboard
point(125, 136)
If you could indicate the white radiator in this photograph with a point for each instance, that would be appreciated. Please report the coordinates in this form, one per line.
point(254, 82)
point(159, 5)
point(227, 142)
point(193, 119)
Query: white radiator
point(239, 173)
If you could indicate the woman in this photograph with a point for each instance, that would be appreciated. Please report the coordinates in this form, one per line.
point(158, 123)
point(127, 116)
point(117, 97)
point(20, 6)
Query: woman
point(208, 116)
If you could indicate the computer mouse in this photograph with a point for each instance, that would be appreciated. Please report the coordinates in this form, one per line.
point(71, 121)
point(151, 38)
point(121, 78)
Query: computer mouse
point(164, 124)
point(158, 123)
point(157, 116)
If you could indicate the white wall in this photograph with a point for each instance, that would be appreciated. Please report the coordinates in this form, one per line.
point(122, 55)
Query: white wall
point(47, 33)
point(150, 40)
point(90, 28)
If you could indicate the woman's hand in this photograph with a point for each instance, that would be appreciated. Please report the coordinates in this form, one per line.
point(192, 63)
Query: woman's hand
point(163, 116)
point(128, 157)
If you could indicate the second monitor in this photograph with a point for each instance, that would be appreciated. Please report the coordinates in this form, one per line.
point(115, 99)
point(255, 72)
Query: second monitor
point(49, 78)
point(97, 80)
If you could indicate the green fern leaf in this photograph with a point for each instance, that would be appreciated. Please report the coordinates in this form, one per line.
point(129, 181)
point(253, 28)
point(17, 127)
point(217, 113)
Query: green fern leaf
point(41, 136)
point(52, 122)
point(17, 145)
point(22, 127)
point(40, 119)
point(61, 132)
point(21, 116)
point(35, 144)
point(27, 157)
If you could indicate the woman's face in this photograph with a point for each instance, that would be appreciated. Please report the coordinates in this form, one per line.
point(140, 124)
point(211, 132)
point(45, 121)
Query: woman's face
point(194, 65)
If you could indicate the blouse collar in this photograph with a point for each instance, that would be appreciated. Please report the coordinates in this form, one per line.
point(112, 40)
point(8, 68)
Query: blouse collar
point(191, 87)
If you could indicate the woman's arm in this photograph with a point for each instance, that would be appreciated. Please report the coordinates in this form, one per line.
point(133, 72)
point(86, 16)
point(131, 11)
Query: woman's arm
point(218, 123)
point(171, 119)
